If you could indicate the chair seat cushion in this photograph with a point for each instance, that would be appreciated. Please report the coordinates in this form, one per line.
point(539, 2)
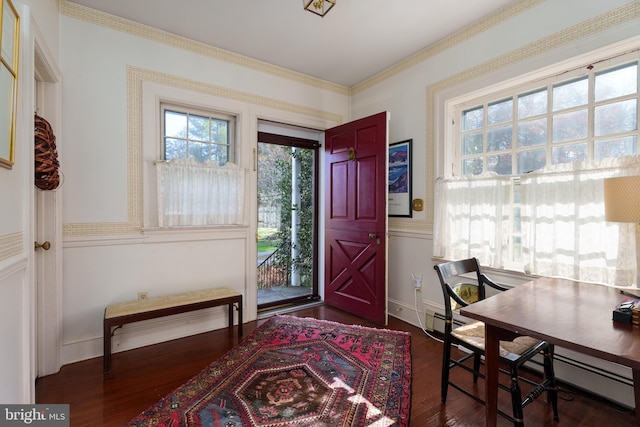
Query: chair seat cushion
point(467, 291)
point(473, 334)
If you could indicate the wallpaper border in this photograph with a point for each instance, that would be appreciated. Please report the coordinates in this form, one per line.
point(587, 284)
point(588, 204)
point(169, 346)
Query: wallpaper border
point(10, 245)
point(106, 20)
point(136, 76)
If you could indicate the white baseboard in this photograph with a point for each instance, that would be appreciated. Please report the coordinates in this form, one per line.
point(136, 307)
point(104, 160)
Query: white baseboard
point(148, 332)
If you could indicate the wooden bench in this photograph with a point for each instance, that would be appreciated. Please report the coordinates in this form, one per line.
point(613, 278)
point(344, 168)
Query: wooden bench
point(116, 315)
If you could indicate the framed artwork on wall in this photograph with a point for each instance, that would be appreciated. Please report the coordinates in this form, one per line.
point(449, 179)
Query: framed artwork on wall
point(399, 199)
point(9, 36)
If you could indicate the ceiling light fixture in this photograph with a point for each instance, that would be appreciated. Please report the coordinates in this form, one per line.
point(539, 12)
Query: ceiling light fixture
point(319, 7)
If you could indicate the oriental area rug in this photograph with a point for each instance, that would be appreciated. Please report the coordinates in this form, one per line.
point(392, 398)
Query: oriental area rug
point(295, 371)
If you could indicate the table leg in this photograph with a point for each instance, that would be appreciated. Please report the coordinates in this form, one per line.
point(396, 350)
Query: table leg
point(636, 392)
point(492, 361)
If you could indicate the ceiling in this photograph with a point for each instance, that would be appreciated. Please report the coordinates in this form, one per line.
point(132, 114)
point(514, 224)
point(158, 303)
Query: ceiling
point(356, 40)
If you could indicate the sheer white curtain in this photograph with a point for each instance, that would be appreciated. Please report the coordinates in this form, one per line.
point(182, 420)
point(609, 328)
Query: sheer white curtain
point(563, 226)
point(191, 193)
point(472, 218)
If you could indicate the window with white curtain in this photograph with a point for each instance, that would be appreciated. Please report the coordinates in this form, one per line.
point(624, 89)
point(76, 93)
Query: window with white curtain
point(198, 184)
point(526, 186)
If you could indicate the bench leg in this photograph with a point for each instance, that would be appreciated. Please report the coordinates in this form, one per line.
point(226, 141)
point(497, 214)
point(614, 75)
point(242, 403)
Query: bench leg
point(240, 317)
point(107, 347)
point(238, 306)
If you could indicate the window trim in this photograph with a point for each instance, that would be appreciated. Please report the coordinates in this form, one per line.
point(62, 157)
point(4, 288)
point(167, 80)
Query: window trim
point(165, 105)
point(152, 150)
point(448, 97)
point(547, 84)
point(514, 75)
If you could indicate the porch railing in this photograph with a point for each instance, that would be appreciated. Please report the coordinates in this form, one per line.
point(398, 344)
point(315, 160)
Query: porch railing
point(272, 272)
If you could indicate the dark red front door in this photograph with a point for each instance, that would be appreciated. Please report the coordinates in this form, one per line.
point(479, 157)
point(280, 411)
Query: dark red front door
point(356, 217)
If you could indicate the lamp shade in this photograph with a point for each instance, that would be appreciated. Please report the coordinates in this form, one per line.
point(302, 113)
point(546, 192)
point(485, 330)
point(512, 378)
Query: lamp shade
point(622, 199)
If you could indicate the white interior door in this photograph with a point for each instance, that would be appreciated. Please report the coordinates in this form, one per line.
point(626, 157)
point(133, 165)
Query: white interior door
point(47, 222)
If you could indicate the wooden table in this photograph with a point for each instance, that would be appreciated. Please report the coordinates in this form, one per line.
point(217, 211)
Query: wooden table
point(572, 315)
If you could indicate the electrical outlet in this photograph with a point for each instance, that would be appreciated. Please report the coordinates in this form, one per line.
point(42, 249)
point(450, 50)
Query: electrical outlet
point(142, 295)
point(417, 281)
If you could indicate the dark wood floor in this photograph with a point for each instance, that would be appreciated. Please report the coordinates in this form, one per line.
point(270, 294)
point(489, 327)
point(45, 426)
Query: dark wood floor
point(141, 377)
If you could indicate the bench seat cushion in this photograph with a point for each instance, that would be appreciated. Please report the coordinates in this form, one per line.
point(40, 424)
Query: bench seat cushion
point(168, 301)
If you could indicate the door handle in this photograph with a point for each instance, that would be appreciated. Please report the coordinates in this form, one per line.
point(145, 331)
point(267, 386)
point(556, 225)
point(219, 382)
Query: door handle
point(374, 236)
point(46, 246)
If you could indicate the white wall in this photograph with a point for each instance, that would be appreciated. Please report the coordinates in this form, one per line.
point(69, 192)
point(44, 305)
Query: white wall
point(112, 246)
point(509, 44)
point(109, 254)
point(17, 312)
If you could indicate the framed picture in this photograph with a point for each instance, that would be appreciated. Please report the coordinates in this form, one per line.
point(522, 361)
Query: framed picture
point(9, 36)
point(399, 201)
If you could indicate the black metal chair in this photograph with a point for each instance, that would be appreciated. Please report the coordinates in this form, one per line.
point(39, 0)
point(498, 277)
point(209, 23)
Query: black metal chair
point(459, 292)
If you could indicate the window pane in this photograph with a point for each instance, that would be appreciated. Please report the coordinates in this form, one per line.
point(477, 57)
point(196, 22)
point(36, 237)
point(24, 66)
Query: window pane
point(175, 124)
point(616, 117)
point(517, 223)
point(472, 143)
point(572, 94)
point(473, 119)
point(199, 128)
point(219, 131)
point(199, 151)
point(499, 139)
point(517, 249)
point(569, 153)
point(533, 132)
point(569, 126)
point(531, 160)
point(618, 147)
point(532, 104)
point(193, 133)
point(472, 166)
point(175, 148)
point(500, 112)
point(220, 153)
point(614, 83)
point(500, 164)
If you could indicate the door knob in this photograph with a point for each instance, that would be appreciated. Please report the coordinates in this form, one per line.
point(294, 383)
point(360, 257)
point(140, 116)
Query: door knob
point(374, 236)
point(46, 246)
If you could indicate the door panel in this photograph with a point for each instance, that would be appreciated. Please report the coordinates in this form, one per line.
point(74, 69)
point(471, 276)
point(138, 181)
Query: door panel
point(354, 270)
point(356, 217)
